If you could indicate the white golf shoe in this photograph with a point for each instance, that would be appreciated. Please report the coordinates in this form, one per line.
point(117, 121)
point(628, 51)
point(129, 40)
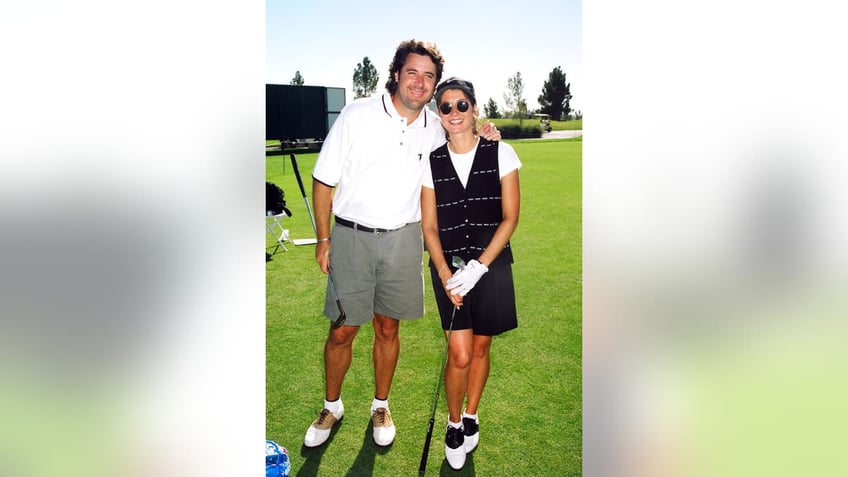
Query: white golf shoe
point(384, 427)
point(319, 431)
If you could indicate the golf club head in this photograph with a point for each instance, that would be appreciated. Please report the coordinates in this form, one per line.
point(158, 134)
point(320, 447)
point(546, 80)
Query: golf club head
point(342, 317)
point(457, 262)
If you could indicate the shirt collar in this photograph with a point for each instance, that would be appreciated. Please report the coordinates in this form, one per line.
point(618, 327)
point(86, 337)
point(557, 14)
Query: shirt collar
point(389, 108)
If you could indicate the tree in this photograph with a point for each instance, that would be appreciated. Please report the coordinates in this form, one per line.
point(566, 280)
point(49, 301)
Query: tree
point(513, 96)
point(491, 109)
point(556, 95)
point(364, 79)
point(298, 79)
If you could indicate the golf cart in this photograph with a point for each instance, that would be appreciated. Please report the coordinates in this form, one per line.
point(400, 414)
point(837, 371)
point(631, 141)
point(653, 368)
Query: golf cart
point(544, 122)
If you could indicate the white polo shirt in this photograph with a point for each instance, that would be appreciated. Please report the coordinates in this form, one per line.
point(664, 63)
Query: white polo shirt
point(376, 162)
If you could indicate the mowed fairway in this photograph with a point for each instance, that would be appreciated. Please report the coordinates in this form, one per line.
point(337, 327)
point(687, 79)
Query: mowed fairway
point(531, 409)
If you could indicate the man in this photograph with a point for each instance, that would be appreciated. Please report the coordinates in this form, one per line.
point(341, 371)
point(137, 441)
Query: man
point(374, 157)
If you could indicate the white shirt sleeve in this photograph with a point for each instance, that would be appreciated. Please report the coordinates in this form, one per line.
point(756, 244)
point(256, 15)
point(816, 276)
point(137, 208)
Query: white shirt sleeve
point(507, 159)
point(439, 140)
point(328, 166)
point(427, 177)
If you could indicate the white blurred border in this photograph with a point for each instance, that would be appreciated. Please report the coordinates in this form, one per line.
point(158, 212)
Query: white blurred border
point(131, 138)
point(714, 232)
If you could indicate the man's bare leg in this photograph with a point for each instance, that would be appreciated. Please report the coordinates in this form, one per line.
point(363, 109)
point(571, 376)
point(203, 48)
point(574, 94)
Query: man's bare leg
point(338, 352)
point(386, 351)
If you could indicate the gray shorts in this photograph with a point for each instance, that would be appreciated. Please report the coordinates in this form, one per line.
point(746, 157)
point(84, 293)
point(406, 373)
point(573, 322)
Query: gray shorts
point(376, 273)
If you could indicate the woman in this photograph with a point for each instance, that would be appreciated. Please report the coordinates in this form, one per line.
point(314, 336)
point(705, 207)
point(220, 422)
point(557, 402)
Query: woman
point(469, 209)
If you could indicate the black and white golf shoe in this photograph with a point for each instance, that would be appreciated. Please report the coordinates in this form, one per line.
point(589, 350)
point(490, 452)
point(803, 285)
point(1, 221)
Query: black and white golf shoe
point(471, 432)
point(454, 452)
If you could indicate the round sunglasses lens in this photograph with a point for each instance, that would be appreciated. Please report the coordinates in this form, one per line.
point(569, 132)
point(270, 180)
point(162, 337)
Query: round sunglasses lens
point(462, 106)
point(445, 108)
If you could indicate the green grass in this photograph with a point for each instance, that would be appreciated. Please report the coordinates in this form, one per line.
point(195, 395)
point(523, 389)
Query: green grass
point(531, 421)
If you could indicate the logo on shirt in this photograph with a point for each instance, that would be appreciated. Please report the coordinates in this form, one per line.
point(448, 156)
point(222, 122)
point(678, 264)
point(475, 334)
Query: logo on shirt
point(419, 156)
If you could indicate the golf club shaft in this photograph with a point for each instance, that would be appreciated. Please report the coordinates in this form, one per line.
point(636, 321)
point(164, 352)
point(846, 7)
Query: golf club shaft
point(422, 467)
point(342, 315)
point(303, 193)
point(426, 452)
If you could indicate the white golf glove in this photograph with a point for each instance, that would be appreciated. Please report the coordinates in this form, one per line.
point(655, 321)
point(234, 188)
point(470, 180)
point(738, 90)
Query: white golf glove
point(464, 280)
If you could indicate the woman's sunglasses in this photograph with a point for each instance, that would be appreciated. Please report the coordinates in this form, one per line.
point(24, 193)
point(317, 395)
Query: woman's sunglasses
point(461, 105)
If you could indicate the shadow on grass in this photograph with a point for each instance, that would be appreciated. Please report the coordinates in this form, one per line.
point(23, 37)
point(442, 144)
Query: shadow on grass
point(312, 455)
point(362, 466)
point(364, 463)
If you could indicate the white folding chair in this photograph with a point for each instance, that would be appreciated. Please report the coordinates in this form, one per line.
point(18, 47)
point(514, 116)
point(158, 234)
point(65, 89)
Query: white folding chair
point(275, 229)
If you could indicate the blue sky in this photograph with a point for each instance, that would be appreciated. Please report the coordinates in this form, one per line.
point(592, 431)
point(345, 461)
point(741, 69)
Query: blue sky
point(484, 42)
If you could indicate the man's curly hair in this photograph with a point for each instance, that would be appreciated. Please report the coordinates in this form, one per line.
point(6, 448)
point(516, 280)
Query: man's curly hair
point(420, 48)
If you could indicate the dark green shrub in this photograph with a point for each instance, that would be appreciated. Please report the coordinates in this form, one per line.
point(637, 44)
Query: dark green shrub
point(526, 131)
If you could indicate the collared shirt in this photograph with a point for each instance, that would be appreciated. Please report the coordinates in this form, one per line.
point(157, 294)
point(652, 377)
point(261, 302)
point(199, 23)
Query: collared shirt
point(376, 162)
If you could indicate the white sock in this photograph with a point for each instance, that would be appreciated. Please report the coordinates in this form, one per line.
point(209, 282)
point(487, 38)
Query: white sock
point(378, 403)
point(333, 406)
point(455, 425)
point(472, 416)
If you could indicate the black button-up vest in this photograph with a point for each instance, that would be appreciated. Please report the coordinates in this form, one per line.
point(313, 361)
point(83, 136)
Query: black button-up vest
point(469, 216)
